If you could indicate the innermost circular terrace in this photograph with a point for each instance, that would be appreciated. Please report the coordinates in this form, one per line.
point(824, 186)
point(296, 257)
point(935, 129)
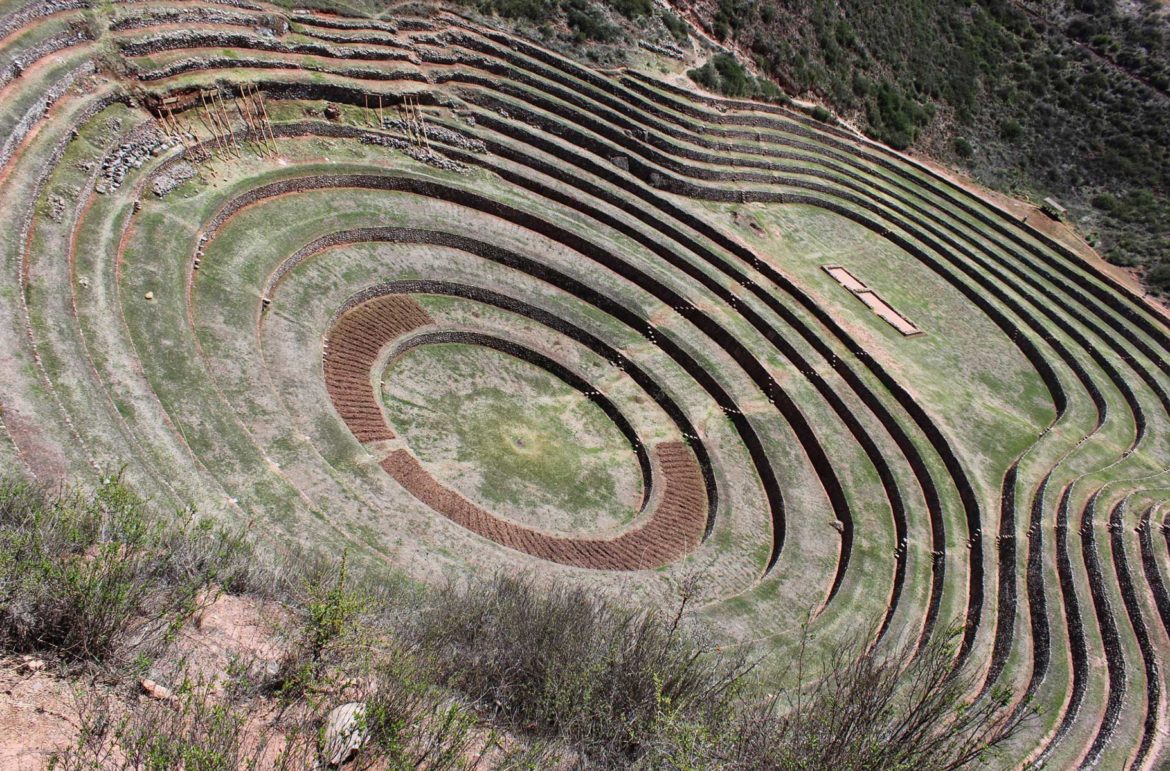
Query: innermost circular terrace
point(513, 437)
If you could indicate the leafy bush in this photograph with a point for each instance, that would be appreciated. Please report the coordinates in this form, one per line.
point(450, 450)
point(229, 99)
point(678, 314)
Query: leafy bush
point(528, 10)
point(561, 663)
point(328, 614)
point(724, 75)
point(677, 26)
point(632, 9)
point(83, 575)
point(1159, 277)
point(588, 23)
point(896, 117)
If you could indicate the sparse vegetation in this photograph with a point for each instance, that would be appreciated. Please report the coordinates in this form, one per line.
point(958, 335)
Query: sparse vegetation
point(88, 576)
point(612, 686)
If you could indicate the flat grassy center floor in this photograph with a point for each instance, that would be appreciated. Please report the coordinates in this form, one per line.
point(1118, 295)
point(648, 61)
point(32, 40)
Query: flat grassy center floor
point(512, 438)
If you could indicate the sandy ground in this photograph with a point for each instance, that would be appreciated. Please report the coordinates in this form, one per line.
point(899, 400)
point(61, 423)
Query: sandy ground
point(39, 704)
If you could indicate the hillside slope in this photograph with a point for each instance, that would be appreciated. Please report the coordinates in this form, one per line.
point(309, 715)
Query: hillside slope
point(1065, 98)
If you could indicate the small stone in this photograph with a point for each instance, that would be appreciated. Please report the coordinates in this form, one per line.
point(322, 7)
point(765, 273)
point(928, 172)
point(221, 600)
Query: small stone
point(32, 664)
point(156, 691)
point(149, 295)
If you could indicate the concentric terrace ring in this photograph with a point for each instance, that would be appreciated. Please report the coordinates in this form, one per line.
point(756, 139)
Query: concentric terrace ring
point(846, 391)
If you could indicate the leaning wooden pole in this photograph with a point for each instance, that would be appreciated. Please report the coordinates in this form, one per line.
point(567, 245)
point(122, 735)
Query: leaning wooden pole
point(207, 121)
point(250, 135)
point(218, 98)
point(267, 120)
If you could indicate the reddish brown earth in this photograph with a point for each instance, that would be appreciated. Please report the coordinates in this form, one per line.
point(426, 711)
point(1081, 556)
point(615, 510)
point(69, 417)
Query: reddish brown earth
point(674, 528)
point(40, 706)
point(353, 345)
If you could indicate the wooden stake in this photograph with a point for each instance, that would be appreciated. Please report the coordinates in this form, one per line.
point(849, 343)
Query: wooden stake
point(227, 122)
point(267, 120)
point(250, 126)
point(209, 122)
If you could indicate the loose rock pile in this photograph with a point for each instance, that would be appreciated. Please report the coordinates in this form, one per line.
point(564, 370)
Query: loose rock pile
point(143, 144)
point(171, 177)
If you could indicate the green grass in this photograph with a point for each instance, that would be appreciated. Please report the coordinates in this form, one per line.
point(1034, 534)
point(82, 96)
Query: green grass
point(529, 439)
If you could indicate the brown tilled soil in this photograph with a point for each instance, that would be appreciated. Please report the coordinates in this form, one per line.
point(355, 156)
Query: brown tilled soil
point(674, 528)
point(38, 715)
point(353, 346)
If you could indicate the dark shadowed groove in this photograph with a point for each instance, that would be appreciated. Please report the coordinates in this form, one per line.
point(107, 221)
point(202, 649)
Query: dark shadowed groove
point(1153, 573)
point(1007, 607)
point(1137, 621)
point(1077, 646)
point(1110, 639)
point(1037, 602)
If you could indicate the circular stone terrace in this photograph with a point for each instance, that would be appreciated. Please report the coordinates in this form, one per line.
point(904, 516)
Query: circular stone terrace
point(528, 315)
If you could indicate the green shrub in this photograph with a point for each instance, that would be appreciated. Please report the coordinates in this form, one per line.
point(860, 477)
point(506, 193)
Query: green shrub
point(1010, 130)
point(632, 9)
point(528, 10)
point(588, 23)
point(677, 26)
point(83, 575)
point(328, 626)
point(1159, 277)
point(561, 663)
point(724, 75)
point(821, 114)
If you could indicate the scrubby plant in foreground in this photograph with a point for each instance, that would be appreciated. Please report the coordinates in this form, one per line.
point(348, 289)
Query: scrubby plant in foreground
point(631, 688)
point(84, 576)
point(558, 662)
point(510, 671)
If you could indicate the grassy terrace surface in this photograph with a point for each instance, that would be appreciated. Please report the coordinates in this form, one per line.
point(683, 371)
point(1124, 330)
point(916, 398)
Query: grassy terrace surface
point(617, 316)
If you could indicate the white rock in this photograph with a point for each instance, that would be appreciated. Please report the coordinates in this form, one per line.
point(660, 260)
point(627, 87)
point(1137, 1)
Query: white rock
point(345, 733)
point(31, 664)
